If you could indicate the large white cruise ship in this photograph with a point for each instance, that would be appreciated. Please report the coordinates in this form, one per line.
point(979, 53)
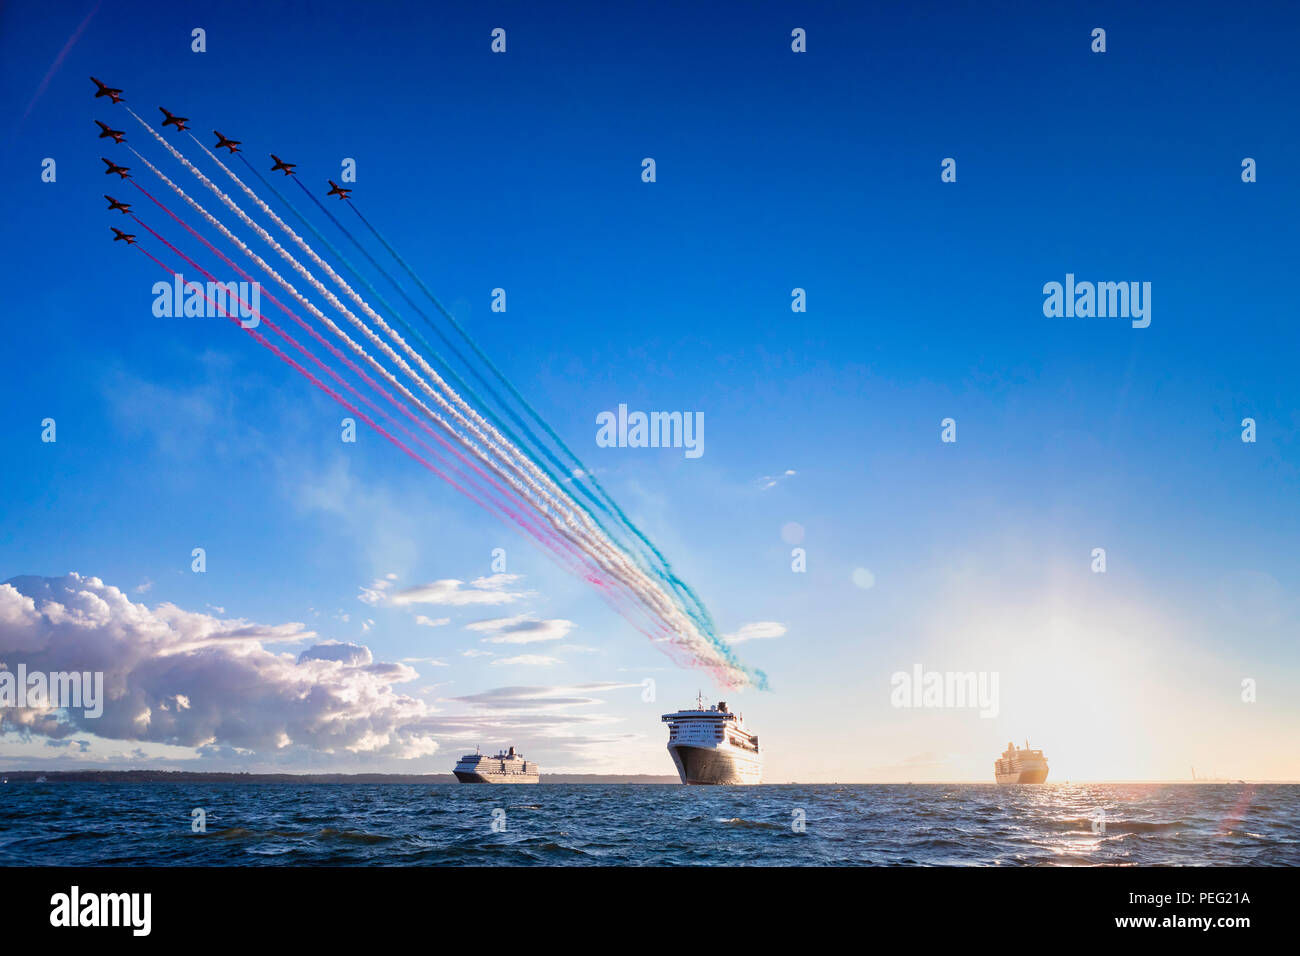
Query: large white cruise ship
point(1020, 765)
point(712, 746)
point(506, 767)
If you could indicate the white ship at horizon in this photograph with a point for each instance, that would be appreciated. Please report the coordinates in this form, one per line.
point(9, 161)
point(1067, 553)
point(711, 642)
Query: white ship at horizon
point(1020, 765)
point(506, 766)
point(712, 746)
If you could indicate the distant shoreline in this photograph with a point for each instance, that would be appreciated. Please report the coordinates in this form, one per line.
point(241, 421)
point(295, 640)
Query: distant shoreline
point(198, 776)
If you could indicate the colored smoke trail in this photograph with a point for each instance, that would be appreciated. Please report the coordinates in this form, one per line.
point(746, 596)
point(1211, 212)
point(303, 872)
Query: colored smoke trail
point(592, 575)
point(552, 502)
point(697, 627)
point(464, 414)
point(379, 343)
point(320, 288)
point(645, 565)
point(601, 498)
point(595, 575)
point(497, 507)
point(306, 374)
point(356, 274)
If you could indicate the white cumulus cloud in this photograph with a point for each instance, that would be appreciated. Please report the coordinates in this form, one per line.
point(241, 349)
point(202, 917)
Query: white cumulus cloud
point(191, 679)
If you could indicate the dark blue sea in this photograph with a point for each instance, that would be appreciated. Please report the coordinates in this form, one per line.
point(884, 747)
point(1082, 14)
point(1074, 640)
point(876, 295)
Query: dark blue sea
point(81, 824)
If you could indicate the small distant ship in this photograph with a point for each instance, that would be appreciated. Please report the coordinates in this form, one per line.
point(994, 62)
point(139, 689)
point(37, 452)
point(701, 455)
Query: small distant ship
point(1020, 765)
point(506, 766)
point(712, 746)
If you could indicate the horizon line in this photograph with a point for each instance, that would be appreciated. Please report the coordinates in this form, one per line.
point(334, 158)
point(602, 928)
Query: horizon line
point(770, 783)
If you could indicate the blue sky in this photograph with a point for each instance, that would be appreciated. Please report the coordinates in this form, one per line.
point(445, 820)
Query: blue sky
point(775, 170)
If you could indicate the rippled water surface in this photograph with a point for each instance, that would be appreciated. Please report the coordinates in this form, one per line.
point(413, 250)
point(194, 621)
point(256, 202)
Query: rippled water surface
point(359, 824)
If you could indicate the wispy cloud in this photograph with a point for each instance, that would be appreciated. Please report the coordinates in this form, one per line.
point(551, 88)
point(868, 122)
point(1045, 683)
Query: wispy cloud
point(758, 630)
point(538, 697)
point(528, 660)
point(449, 592)
point(522, 629)
point(771, 481)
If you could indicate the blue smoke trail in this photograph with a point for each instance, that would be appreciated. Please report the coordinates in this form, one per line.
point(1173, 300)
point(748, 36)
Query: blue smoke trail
point(699, 613)
point(691, 605)
point(687, 601)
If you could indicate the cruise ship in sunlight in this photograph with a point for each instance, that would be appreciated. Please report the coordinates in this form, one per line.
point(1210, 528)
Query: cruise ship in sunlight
point(1020, 765)
point(712, 746)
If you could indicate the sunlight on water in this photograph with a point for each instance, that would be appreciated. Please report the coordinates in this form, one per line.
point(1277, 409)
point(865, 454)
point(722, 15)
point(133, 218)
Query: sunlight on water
point(286, 824)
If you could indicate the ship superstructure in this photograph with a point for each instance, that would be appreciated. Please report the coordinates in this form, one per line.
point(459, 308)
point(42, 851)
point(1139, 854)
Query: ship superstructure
point(507, 766)
point(712, 746)
point(1020, 765)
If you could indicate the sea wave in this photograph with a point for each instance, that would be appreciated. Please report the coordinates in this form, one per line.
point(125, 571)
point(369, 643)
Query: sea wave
point(576, 825)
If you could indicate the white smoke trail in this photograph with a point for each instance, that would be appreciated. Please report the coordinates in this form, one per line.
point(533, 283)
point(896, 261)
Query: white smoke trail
point(561, 507)
point(497, 507)
point(493, 439)
point(483, 429)
point(384, 372)
point(323, 291)
point(682, 629)
point(308, 305)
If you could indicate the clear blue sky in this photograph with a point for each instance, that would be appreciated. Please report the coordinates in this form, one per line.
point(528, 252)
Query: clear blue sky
point(775, 170)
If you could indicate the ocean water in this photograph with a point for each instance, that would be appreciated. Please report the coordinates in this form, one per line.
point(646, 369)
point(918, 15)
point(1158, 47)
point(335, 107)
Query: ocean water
point(76, 824)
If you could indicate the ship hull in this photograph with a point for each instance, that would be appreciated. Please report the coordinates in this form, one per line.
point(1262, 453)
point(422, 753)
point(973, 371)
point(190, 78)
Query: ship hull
point(708, 766)
point(471, 777)
point(1024, 776)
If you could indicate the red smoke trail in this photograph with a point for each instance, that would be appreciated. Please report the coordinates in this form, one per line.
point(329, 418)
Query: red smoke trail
point(537, 530)
point(677, 625)
point(315, 282)
point(613, 596)
point(577, 563)
point(507, 456)
point(311, 378)
point(333, 350)
point(603, 580)
point(316, 381)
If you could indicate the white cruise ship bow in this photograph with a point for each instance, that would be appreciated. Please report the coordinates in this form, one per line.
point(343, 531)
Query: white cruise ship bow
point(712, 746)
